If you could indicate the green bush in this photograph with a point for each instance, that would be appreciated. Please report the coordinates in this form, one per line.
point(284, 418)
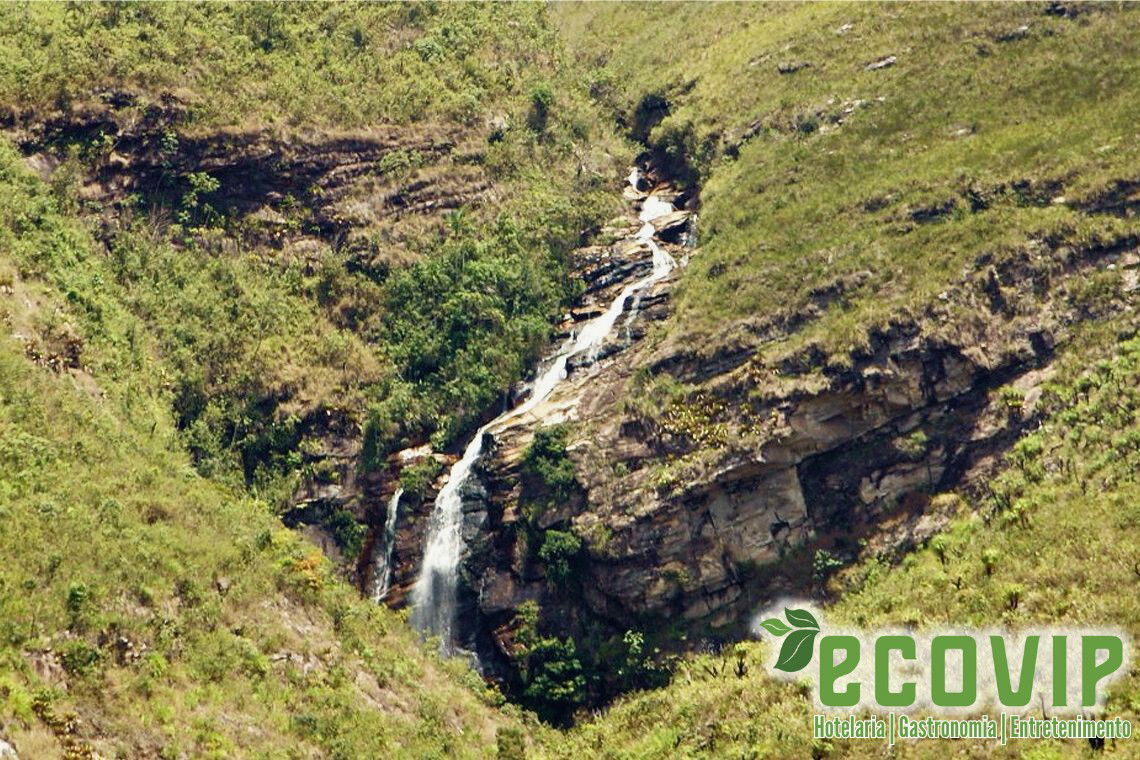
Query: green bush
point(79, 657)
point(346, 532)
point(188, 339)
point(399, 163)
point(462, 324)
point(913, 446)
point(510, 744)
point(556, 680)
point(638, 667)
point(548, 473)
point(541, 98)
point(78, 596)
point(419, 477)
point(558, 552)
point(824, 564)
point(553, 677)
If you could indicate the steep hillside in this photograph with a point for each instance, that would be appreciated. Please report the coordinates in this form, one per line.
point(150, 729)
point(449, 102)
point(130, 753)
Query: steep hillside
point(860, 328)
point(908, 324)
point(833, 339)
point(883, 281)
point(235, 239)
point(321, 161)
point(902, 141)
point(150, 612)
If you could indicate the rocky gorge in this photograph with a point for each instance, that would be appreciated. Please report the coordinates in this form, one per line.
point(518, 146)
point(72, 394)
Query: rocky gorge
point(708, 477)
point(475, 379)
point(740, 479)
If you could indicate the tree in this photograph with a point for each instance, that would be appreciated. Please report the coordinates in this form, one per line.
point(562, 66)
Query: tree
point(553, 676)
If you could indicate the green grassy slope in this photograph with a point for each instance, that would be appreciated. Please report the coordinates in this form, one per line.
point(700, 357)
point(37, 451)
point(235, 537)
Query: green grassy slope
point(271, 348)
point(164, 377)
point(981, 136)
point(326, 64)
point(159, 393)
point(146, 611)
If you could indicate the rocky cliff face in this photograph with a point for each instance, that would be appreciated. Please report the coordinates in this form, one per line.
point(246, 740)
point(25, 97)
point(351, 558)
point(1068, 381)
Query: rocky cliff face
point(291, 192)
point(711, 480)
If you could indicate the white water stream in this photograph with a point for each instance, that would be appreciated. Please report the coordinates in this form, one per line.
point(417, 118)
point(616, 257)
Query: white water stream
point(434, 594)
point(382, 572)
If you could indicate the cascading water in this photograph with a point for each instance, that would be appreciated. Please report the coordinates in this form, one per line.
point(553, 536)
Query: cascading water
point(650, 210)
point(434, 594)
point(382, 572)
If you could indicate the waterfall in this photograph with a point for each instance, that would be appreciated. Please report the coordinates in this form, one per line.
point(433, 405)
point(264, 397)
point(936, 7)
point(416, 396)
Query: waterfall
point(434, 593)
point(382, 569)
point(650, 210)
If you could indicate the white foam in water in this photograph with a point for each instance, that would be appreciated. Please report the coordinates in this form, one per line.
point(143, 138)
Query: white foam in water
point(652, 208)
point(382, 572)
point(434, 594)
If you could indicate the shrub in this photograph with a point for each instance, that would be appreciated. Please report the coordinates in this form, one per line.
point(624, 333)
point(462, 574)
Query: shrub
point(510, 743)
point(399, 163)
point(990, 559)
point(939, 546)
point(548, 473)
point(79, 658)
point(1013, 399)
point(307, 572)
point(824, 564)
point(78, 595)
point(913, 446)
point(553, 677)
point(638, 668)
point(380, 430)
point(556, 682)
point(78, 604)
point(419, 477)
point(470, 317)
point(193, 210)
point(1013, 593)
point(558, 551)
point(541, 98)
point(346, 532)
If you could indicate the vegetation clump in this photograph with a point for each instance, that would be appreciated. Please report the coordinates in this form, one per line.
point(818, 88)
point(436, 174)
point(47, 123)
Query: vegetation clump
point(548, 477)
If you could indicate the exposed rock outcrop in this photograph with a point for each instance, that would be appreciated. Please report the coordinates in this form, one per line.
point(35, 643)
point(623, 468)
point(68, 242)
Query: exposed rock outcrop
point(696, 512)
point(708, 476)
point(293, 192)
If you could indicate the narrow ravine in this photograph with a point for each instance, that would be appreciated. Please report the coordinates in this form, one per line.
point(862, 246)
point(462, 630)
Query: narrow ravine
point(434, 595)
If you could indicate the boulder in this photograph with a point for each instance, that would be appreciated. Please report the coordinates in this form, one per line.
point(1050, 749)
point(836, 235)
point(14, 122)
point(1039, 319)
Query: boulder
point(791, 67)
point(671, 227)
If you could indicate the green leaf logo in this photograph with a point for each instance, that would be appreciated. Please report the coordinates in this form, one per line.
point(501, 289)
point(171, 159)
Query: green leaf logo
point(796, 652)
point(775, 626)
point(797, 649)
point(801, 619)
